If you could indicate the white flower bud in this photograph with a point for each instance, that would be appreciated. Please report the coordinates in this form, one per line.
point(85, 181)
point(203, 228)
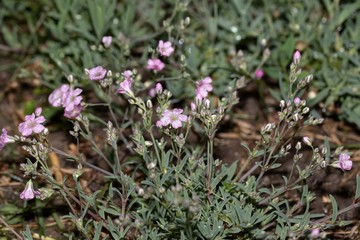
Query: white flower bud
point(282, 103)
point(149, 103)
point(307, 141)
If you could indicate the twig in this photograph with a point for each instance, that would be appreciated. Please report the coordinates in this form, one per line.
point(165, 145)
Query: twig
point(2, 220)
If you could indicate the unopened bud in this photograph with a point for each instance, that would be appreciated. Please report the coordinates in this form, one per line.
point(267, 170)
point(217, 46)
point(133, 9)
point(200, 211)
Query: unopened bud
point(109, 73)
point(158, 88)
point(307, 141)
point(207, 103)
point(308, 78)
point(149, 103)
point(305, 110)
point(71, 78)
point(151, 165)
point(297, 101)
point(298, 146)
point(282, 103)
point(297, 57)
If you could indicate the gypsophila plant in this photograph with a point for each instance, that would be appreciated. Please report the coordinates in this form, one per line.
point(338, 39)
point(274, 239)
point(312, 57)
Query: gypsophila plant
point(168, 188)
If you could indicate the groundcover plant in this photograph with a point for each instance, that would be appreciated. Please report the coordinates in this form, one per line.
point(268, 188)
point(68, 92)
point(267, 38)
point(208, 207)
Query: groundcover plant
point(143, 161)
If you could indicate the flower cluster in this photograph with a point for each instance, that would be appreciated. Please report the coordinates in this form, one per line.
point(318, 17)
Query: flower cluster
point(165, 49)
point(32, 123)
point(68, 98)
point(204, 86)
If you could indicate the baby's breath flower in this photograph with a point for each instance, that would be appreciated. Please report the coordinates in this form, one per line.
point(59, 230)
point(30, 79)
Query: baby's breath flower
point(155, 64)
point(174, 118)
point(106, 40)
point(29, 192)
point(165, 48)
point(204, 86)
point(97, 73)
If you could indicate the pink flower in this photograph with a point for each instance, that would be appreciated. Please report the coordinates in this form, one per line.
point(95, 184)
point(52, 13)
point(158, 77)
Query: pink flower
point(127, 74)
point(32, 124)
point(29, 192)
point(72, 99)
point(203, 88)
point(155, 64)
point(165, 48)
point(315, 233)
point(152, 92)
point(97, 73)
point(297, 57)
point(106, 40)
point(4, 139)
point(297, 101)
point(259, 73)
point(125, 87)
point(174, 117)
point(158, 89)
point(73, 113)
point(344, 162)
point(56, 98)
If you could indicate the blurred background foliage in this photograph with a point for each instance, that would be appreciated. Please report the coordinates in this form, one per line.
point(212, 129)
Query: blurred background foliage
point(225, 39)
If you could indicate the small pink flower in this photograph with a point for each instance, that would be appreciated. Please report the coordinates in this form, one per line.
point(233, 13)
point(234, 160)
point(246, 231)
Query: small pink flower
point(297, 57)
point(158, 88)
point(174, 118)
point(57, 96)
point(297, 101)
point(106, 40)
point(97, 73)
point(125, 87)
point(165, 48)
point(155, 64)
point(152, 92)
point(344, 162)
point(259, 73)
point(31, 124)
point(72, 99)
point(315, 233)
point(29, 192)
point(204, 86)
point(4, 139)
point(127, 74)
point(74, 113)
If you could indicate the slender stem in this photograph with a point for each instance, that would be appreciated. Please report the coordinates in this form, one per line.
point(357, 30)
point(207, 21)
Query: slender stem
point(2, 220)
point(210, 161)
point(155, 147)
point(348, 208)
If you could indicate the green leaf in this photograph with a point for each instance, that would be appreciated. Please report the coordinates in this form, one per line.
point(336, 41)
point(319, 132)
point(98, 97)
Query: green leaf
point(335, 209)
point(98, 227)
point(357, 194)
point(327, 146)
